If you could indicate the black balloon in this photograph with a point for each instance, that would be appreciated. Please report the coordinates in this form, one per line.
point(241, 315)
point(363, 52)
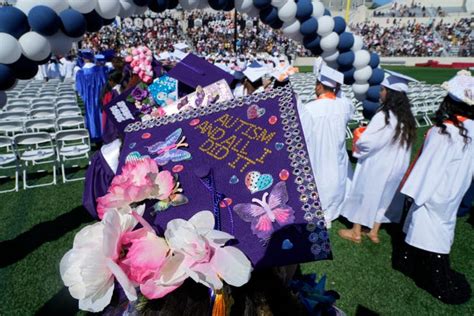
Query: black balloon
point(158, 6)
point(24, 68)
point(7, 77)
point(94, 21)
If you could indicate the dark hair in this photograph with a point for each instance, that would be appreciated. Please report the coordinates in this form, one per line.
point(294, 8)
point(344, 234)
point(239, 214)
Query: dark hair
point(326, 88)
point(266, 293)
point(448, 110)
point(116, 77)
point(398, 103)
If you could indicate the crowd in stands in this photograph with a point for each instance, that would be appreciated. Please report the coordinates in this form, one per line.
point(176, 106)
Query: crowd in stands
point(211, 33)
point(414, 10)
point(417, 39)
point(216, 35)
point(160, 35)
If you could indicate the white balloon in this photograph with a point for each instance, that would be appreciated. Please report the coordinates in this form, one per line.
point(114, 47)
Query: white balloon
point(10, 50)
point(60, 43)
point(278, 3)
point(57, 5)
point(242, 6)
point(361, 58)
point(360, 88)
point(362, 75)
point(325, 25)
point(203, 4)
point(360, 96)
point(3, 98)
point(83, 6)
point(318, 9)
point(189, 5)
point(108, 9)
point(35, 46)
point(358, 43)
point(127, 8)
point(330, 56)
point(253, 12)
point(291, 27)
point(288, 11)
point(330, 42)
point(140, 10)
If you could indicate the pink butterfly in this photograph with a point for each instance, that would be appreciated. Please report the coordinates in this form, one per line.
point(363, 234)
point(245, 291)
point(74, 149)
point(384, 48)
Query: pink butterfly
point(263, 214)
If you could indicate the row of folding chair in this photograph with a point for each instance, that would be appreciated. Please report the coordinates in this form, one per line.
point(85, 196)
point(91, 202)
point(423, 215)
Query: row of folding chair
point(41, 113)
point(24, 151)
point(45, 100)
point(45, 105)
point(50, 125)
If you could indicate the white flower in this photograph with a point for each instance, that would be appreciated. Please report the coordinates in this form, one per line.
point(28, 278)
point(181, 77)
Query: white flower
point(90, 267)
point(199, 253)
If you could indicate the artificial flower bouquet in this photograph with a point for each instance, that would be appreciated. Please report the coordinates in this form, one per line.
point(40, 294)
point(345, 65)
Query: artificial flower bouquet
point(124, 248)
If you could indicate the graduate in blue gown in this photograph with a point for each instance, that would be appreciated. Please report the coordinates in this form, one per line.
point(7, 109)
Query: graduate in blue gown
point(90, 81)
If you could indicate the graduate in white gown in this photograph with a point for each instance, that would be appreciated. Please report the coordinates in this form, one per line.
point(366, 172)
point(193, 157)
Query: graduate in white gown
point(383, 152)
point(437, 183)
point(324, 123)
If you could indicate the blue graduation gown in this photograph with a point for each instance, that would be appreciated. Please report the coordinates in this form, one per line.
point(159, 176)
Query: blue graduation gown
point(89, 84)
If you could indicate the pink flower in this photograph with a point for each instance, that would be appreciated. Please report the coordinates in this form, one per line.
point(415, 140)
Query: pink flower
point(165, 184)
point(146, 253)
point(128, 59)
point(135, 184)
point(91, 266)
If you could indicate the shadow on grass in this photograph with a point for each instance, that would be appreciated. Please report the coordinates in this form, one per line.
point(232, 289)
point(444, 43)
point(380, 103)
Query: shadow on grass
point(60, 304)
point(16, 249)
point(364, 311)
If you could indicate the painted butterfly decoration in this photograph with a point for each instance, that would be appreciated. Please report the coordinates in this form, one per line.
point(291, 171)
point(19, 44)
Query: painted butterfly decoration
point(175, 198)
point(169, 149)
point(183, 102)
point(262, 215)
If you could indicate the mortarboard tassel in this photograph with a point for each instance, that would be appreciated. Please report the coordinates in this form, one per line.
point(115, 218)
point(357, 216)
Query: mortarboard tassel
point(219, 307)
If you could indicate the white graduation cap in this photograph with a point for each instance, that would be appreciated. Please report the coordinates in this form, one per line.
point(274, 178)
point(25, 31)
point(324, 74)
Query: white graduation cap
point(178, 55)
point(181, 46)
point(255, 71)
point(330, 77)
point(461, 87)
point(164, 56)
point(396, 81)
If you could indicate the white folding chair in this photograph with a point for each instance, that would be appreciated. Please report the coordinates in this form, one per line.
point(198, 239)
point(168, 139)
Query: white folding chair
point(40, 125)
point(18, 102)
point(8, 160)
point(17, 107)
point(69, 111)
point(70, 122)
point(72, 145)
point(43, 113)
point(13, 116)
point(10, 128)
point(66, 104)
point(35, 149)
point(42, 101)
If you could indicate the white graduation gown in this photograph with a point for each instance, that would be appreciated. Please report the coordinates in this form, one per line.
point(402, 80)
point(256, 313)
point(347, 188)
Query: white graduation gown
point(437, 184)
point(324, 123)
point(381, 166)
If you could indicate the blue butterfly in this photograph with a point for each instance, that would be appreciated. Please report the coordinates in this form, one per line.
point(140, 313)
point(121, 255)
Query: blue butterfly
point(169, 149)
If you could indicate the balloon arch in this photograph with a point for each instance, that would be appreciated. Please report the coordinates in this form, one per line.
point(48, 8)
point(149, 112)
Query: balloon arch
point(33, 30)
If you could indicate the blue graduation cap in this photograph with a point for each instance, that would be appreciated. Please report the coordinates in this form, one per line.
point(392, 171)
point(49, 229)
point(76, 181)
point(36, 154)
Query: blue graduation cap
point(86, 54)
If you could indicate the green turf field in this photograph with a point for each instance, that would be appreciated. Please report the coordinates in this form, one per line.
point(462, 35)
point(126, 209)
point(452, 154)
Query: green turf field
point(38, 226)
point(429, 75)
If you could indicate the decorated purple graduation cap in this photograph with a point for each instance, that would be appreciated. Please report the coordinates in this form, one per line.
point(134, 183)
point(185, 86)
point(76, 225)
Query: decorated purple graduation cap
point(194, 71)
point(461, 87)
point(397, 81)
point(246, 161)
point(330, 77)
